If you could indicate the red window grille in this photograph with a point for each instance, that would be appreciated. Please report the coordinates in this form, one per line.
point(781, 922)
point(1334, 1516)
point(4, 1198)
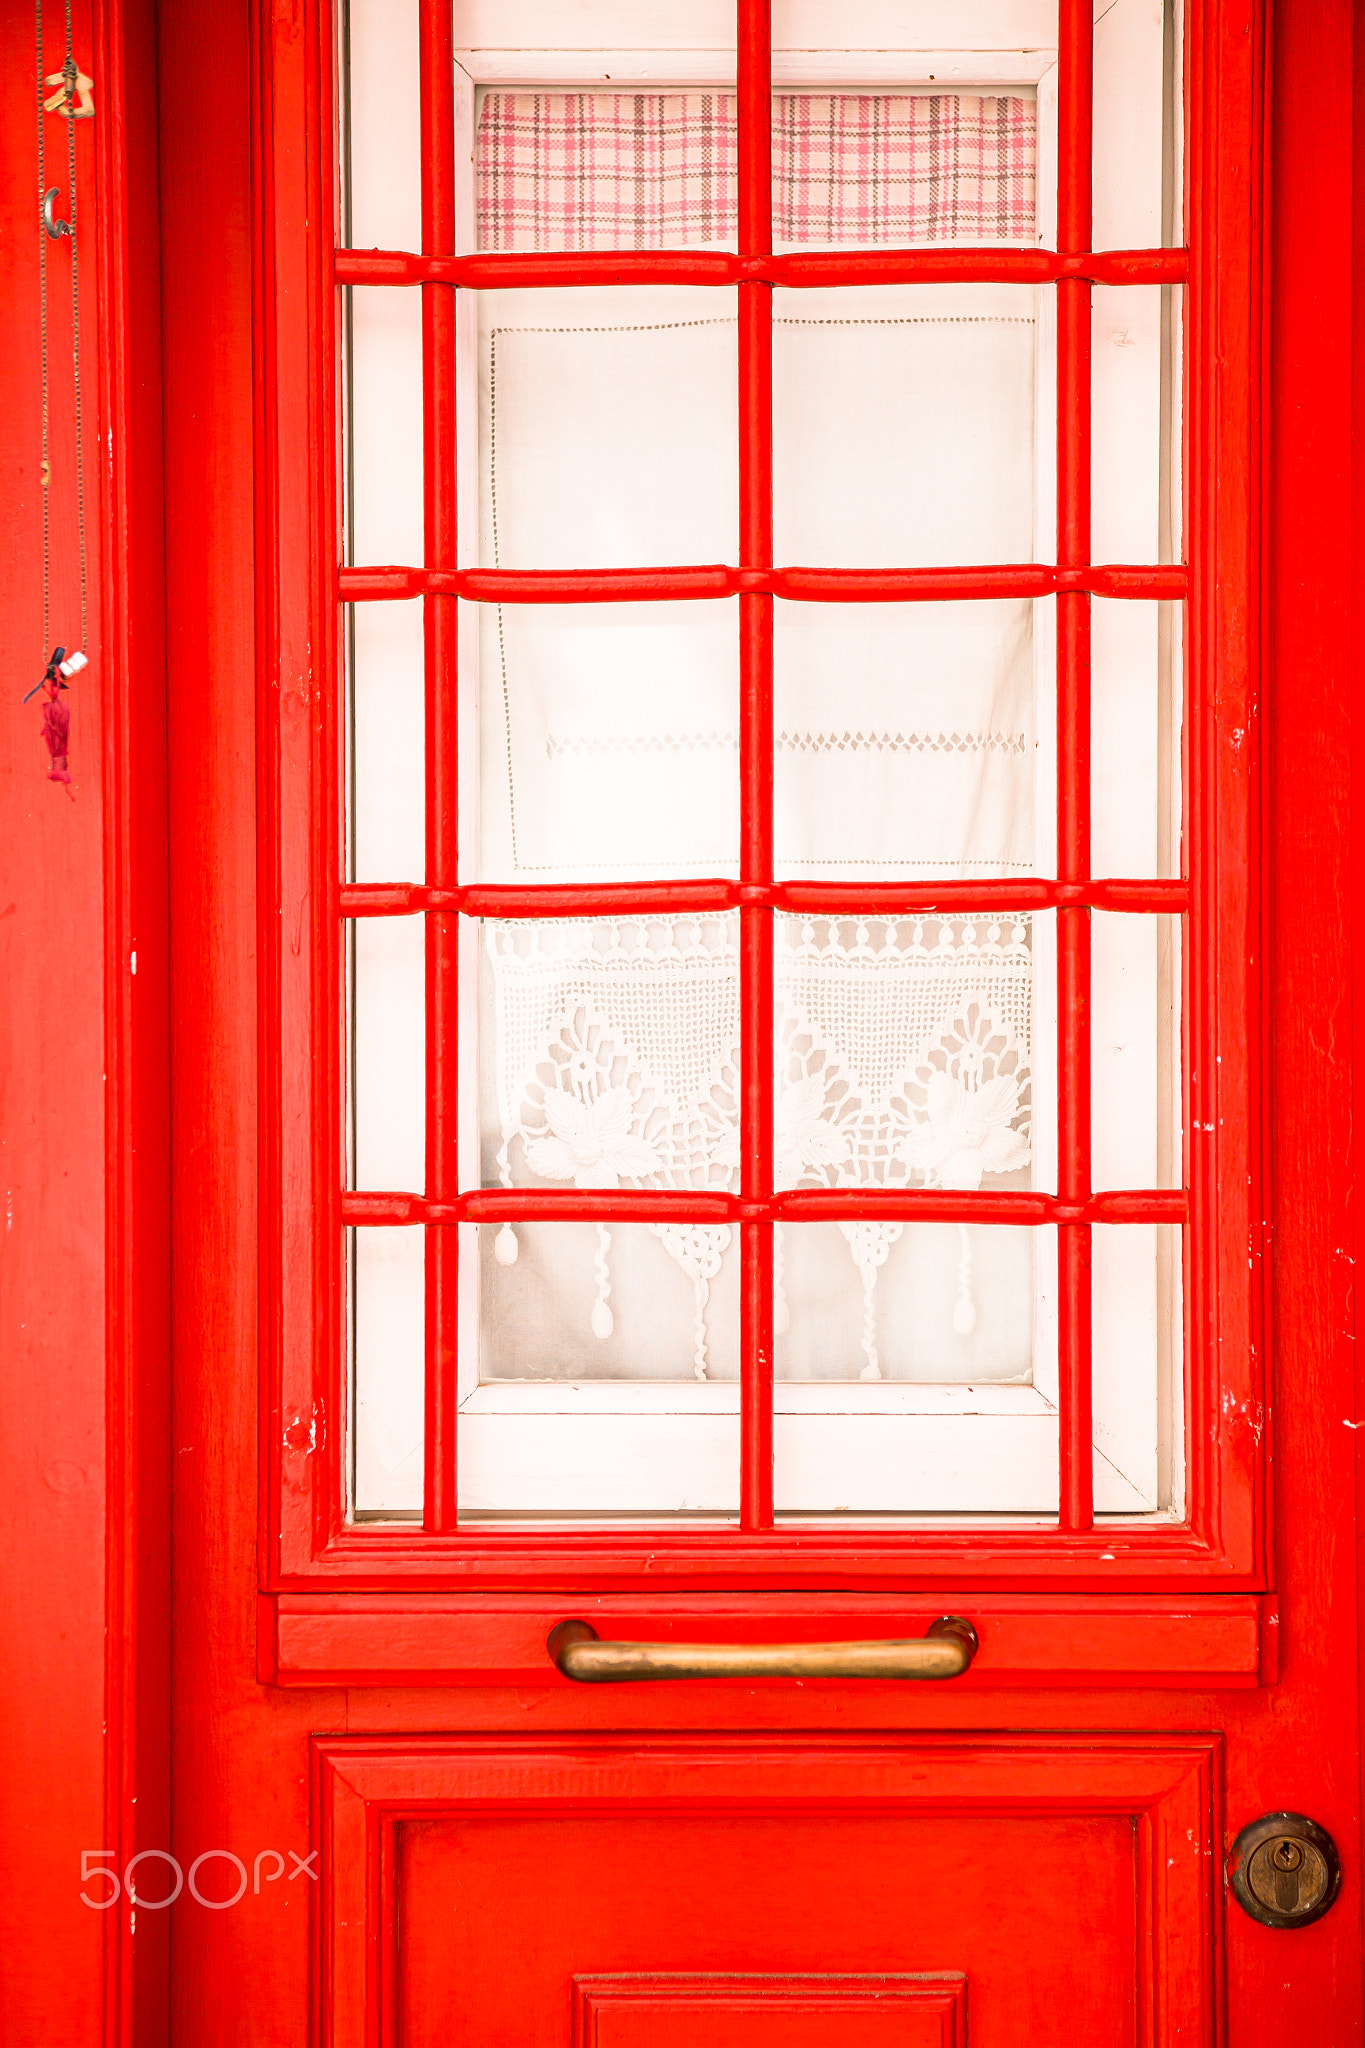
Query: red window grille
point(1215, 896)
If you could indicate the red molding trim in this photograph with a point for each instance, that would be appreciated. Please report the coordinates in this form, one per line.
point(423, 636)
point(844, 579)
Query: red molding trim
point(311, 1639)
point(668, 2002)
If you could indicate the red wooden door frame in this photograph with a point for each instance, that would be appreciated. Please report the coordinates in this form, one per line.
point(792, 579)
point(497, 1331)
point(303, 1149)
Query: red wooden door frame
point(1224, 157)
point(309, 1545)
point(99, 1178)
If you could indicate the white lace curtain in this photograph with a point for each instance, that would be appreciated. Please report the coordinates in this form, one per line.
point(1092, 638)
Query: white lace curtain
point(903, 1059)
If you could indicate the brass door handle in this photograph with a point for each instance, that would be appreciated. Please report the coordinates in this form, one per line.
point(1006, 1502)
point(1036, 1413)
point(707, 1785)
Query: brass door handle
point(943, 1651)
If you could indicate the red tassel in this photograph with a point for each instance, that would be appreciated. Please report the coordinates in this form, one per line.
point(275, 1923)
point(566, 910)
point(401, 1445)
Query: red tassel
point(56, 736)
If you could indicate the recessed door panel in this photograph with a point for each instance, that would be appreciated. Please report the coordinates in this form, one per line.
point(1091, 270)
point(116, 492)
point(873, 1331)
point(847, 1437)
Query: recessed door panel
point(497, 1917)
point(1056, 1891)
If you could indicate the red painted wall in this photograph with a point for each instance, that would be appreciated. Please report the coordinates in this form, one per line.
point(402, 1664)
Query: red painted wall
point(84, 1061)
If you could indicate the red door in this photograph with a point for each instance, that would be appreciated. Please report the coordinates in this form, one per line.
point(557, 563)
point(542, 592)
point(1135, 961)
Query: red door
point(759, 1058)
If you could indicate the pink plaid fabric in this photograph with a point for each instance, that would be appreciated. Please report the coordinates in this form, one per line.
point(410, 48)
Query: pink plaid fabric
point(932, 167)
point(605, 170)
point(658, 170)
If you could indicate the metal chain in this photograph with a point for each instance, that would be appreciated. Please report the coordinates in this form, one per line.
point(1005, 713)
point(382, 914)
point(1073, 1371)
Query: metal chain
point(42, 328)
point(69, 75)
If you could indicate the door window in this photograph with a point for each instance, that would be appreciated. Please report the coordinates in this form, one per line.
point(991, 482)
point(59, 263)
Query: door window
point(904, 1045)
point(770, 849)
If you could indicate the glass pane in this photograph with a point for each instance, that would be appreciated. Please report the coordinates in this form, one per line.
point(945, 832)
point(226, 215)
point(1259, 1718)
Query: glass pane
point(588, 30)
point(906, 741)
point(387, 1306)
point(588, 1301)
point(903, 1053)
point(956, 44)
point(1135, 1051)
point(609, 741)
point(382, 185)
point(658, 170)
point(606, 170)
point(1137, 142)
point(903, 425)
point(609, 1058)
point(606, 1376)
point(1136, 717)
point(388, 1052)
point(533, 1451)
point(858, 170)
point(917, 1370)
point(931, 1303)
point(384, 446)
point(607, 427)
point(1137, 1391)
point(387, 837)
point(598, 1449)
point(609, 1053)
point(1135, 423)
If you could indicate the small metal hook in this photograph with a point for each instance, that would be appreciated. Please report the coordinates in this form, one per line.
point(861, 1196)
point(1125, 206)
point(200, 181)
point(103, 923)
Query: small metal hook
point(56, 228)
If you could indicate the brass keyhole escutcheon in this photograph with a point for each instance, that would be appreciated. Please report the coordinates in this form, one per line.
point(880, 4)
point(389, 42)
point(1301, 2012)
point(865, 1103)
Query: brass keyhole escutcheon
point(1284, 1870)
